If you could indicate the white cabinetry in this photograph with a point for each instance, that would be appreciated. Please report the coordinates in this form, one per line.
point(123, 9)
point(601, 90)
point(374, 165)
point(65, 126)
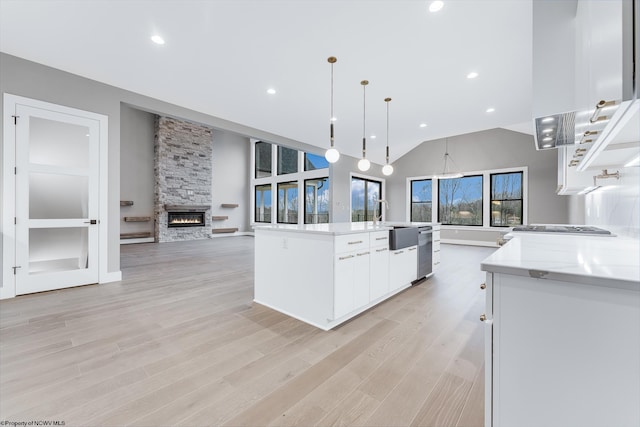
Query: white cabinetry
point(379, 265)
point(351, 273)
point(435, 260)
point(561, 353)
point(570, 181)
point(403, 267)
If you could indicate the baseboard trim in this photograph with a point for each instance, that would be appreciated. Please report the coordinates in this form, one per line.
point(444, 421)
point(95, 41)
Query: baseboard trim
point(469, 243)
point(114, 276)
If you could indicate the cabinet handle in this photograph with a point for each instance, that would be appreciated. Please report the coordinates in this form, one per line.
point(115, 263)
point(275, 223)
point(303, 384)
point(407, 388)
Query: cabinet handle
point(346, 257)
point(413, 249)
point(381, 238)
point(599, 106)
point(381, 250)
point(483, 286)
point(398, 252)
point(483, 317)
point(437, 250)
point(355, 243)
point(363, 253)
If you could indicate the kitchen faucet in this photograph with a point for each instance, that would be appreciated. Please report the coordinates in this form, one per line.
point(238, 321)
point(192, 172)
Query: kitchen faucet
point(377, 218)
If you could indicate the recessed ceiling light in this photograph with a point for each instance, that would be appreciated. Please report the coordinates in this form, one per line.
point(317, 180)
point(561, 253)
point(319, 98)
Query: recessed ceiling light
point(491, 110)
point(423, 125)
point(373, 137)
point(547, 130)
point(546, 146)
point(472, 75)
point(435, 6)
point(271, 91)
point(548, 120)
point(157, 39)
point(548, 138)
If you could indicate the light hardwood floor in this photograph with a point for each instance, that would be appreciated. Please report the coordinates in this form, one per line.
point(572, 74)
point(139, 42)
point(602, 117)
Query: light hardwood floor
point(179, 342)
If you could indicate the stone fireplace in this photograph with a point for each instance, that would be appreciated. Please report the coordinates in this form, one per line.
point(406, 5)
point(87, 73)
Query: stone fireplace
point(183, 171)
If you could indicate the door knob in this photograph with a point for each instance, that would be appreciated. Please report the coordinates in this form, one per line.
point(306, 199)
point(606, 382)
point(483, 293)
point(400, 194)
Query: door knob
point(483, 286)
point(483, 317)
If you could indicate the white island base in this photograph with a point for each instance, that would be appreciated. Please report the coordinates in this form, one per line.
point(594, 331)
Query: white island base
point(325, 274)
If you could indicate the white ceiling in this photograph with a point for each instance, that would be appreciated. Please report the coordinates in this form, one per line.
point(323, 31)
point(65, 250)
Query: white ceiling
point(221, 56)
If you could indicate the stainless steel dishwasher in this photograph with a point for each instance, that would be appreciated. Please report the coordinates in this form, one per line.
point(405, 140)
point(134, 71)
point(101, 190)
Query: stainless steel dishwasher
point(425, 252)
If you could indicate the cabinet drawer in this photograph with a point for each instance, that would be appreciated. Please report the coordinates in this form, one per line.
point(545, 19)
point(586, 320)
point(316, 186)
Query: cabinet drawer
point(436, 236)
point(379, 238)
point(351, 242)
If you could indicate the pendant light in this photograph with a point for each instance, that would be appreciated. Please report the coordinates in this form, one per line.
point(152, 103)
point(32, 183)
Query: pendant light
point(446, 172)
point(332, 155)
point(387, 169)
point(364, 164)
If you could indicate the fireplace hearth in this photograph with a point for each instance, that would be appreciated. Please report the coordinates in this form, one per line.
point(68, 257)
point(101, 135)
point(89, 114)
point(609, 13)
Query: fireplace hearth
point(185, 219)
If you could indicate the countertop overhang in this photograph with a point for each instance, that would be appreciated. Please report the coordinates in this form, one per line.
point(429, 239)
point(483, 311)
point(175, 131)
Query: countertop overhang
point(593, 260)
point(338, 228)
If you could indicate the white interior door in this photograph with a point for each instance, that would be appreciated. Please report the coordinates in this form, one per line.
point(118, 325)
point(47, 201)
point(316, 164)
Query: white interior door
point(57, 199)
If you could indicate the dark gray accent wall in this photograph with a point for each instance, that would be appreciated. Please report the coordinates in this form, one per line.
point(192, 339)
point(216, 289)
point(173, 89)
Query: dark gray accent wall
point(486, 150)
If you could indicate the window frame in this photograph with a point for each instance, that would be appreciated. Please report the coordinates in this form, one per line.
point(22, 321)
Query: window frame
point(486, 197)
point(366, 179)
point(255, 208)
point(482, 199)
point(411, 202)
point(316, 200)
point(521, 199)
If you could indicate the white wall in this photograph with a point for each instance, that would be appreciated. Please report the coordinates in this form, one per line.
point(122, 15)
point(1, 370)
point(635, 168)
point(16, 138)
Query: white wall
point(615, 206)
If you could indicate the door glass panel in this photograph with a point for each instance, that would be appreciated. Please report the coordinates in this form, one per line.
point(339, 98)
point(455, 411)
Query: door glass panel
point(58, 144)
point(53, 196)
point(57, 249)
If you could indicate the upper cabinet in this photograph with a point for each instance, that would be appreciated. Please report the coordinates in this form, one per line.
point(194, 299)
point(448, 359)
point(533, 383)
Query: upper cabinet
point(585, 83)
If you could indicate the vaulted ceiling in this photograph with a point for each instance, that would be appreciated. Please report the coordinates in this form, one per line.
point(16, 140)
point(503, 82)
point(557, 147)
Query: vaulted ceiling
point(221, 56)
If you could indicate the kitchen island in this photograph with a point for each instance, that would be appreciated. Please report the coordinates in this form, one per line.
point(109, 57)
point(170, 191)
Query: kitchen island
point(325, 274)
point(562, 331)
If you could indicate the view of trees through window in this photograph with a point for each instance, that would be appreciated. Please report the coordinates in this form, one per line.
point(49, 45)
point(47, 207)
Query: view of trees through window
point(316, 201)
point(460, 201)
point(287, 160)
point(263, 159)
point(421, 200)
point(288, 202)
point(364, 196)
point(506, 199)
point(263, 203)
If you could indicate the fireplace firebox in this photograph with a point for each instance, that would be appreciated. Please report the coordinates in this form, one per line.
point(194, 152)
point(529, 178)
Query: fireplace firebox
point(186, 219)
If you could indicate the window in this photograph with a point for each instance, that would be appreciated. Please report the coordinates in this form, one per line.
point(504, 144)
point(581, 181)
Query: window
point(316, 201)
point(263, 159)
point(287, 160)
point(506, 199)
point(460, 201)
point(263, 203)
point(421, 200)
point(313, 162)
point(288, 202)
point(364, 194)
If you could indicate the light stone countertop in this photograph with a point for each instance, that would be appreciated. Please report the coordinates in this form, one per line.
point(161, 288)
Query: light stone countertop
point(594, 260)
point(339, 228)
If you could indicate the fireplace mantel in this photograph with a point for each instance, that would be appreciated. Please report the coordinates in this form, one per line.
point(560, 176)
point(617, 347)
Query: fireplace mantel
point(187, 208)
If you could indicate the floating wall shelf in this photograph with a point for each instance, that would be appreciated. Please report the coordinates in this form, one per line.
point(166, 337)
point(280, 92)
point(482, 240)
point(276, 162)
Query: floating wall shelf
point(137, 218)
point(223, 230)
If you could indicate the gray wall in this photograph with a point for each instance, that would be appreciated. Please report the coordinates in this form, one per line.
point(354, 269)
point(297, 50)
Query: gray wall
point(491, 149)
point(32, 80)
point(231, 176)
point(136, 167)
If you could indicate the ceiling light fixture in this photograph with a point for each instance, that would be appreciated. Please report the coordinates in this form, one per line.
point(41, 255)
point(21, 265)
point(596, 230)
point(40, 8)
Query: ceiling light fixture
point(472, 75)
point(423, 125)
point(332, 155)
point(436, 6)
point(271, 91)
point(387, 169)
point(157, 39)
point(446, 172)
point(364, 164)
point(547, 120)
point(491, 110)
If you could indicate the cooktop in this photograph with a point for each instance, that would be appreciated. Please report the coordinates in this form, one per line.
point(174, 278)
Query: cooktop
point(574, 229)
